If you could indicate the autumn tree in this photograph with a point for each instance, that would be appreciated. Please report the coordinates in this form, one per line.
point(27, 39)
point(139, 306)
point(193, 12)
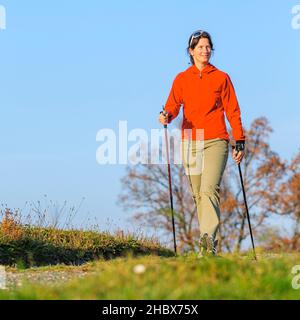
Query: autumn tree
point(286, 202)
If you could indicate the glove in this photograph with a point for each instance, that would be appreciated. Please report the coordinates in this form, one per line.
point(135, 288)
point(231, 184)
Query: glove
point(240, 145)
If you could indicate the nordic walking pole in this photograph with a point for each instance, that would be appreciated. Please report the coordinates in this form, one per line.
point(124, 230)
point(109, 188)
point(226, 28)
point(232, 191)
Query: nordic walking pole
point(170, 181)
point(247, 211)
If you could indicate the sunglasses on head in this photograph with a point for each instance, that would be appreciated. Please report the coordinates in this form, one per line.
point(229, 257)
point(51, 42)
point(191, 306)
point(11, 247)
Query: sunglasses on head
point(196, 35)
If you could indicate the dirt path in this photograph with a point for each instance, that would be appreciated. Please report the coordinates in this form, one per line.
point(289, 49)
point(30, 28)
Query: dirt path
point(16, 278)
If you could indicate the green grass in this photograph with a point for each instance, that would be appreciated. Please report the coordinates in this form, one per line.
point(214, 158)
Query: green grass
point(181, 277)
point(101, 266)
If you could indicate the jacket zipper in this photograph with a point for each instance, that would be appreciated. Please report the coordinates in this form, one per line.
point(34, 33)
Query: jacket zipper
point(201, 74)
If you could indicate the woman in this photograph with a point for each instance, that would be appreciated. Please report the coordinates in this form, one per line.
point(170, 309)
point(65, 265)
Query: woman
point(206, 94)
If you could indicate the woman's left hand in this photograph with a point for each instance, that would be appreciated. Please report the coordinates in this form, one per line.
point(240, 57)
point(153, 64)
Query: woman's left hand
point(237, 156)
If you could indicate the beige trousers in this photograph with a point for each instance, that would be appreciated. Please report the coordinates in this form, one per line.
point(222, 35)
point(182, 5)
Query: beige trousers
point(204, 163)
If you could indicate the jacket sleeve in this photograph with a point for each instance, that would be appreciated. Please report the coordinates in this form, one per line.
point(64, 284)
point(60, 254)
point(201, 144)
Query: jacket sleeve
point(174, 100)
point(232, 109)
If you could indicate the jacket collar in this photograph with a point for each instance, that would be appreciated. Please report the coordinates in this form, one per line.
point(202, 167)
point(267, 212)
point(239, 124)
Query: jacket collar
point(207, 69)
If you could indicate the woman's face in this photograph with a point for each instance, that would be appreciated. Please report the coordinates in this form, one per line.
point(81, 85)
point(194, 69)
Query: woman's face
point(202, 51)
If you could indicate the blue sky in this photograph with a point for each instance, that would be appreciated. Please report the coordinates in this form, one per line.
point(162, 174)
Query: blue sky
point(70, 69)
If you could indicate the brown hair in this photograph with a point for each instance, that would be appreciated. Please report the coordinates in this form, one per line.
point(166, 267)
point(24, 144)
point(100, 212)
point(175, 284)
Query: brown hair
point(195, 41)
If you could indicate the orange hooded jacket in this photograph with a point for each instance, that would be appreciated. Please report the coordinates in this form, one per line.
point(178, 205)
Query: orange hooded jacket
point(204, 96)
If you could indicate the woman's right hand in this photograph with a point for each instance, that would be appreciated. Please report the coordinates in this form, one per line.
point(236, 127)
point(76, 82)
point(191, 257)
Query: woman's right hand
point(163, 118)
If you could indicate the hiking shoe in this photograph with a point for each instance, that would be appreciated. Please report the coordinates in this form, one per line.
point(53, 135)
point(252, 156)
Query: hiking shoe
point(208, 246)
